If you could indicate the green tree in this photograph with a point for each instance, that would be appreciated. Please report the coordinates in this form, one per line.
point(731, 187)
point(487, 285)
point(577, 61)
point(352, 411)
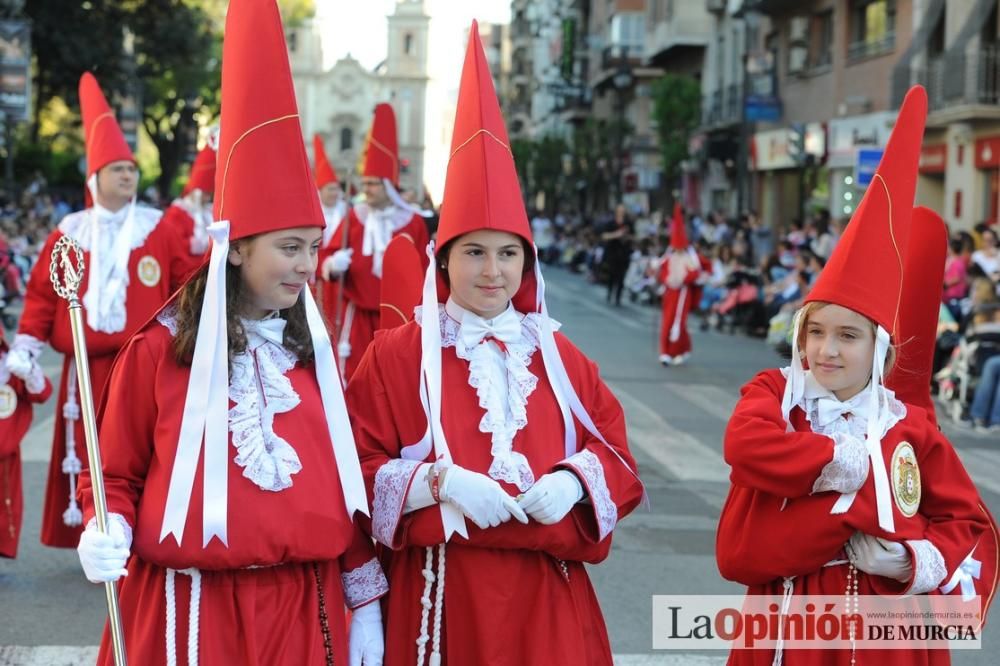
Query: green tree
point(676, 111)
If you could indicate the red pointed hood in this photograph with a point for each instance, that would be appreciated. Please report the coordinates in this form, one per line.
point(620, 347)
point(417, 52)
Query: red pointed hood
point(865, 271)
point(325, 173)
point(481, 190)
point(923, 282)
point(402, 277)
point(678, 233)
point(104, 138)
point(264, 182)
point(381, 153)
point(202, 173)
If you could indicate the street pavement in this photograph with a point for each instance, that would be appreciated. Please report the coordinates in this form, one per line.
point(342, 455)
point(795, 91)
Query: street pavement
point(49, 614)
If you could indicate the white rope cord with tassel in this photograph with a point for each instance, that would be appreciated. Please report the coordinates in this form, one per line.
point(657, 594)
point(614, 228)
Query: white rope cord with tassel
point(786, 601)
point(438, 608)
point(194, 615)
point(425, 602)
point(71, 465)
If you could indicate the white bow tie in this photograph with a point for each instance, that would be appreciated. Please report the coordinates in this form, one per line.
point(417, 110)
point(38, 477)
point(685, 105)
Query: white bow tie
point(505, 327)
point(829, 409)
point(271, 329)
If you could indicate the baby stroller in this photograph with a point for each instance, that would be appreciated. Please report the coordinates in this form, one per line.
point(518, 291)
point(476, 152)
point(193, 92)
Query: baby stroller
point(959, 378)
point(741, 306)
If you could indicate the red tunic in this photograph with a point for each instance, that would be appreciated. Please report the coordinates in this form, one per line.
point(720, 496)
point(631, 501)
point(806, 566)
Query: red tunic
point(156, 268)
point(761, 539)
point(677, 303)
point(361, 287)
point(15, 419)
point(259, 597)
point(508, 598)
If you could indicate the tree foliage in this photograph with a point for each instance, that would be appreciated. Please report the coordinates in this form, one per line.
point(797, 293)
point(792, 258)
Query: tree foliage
point(676, 111)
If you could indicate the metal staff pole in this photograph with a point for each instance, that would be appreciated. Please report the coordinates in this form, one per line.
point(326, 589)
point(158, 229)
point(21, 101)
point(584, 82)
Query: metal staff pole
point(338, 322)
point(67, 255)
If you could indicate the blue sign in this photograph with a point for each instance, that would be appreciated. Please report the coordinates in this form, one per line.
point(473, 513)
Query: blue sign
point(761, 107)
point(864, 167)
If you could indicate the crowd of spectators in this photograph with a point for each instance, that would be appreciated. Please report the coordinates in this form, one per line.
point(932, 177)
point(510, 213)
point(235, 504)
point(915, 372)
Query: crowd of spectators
point(755, 277)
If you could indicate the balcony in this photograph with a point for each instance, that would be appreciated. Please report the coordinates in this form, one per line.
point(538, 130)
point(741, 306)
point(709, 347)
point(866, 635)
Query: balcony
point(960, 87)
point(690, 28)
point(863, 49)
point(722, 107)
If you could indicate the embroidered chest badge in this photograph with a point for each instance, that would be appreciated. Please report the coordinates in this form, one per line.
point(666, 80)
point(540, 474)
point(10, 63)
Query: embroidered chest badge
point(906, 479)
point(149, 271)
point(8, 401)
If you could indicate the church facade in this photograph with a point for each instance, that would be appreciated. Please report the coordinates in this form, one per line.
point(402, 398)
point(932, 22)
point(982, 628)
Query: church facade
point(337, 103)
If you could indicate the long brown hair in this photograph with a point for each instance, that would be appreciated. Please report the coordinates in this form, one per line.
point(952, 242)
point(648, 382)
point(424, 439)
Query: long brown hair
point(297, 338)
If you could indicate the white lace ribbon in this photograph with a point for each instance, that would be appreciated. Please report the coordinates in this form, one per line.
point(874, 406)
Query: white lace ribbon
point(205, 410)
point(337, 422)
point(965, 576)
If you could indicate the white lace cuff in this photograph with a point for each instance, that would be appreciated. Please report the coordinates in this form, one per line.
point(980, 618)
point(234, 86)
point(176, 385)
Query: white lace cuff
point(848, 470)
point(590, 471)
point(928, 567)
point(118, 518)
point(364, 584)
point(392, 482)
point(35, 381)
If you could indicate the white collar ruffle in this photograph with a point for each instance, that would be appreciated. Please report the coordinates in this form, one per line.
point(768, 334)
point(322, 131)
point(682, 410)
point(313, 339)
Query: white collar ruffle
point(828, 415)
point(503, 384)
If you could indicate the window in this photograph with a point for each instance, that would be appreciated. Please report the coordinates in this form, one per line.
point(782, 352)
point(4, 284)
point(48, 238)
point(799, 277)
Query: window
point(822, 39)
point(408, 43)
point(873, 28)
point(346, 138)
point(628, 29)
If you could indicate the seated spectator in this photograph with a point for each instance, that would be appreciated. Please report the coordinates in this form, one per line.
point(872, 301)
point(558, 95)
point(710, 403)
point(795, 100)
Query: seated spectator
point(987, 257)
point(956, 284)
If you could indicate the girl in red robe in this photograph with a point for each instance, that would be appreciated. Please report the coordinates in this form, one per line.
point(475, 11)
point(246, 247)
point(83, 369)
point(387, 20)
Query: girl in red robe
point(813, 510)
point(16, 399)
point(495, 458)
point(678, 273)
point(230, 469)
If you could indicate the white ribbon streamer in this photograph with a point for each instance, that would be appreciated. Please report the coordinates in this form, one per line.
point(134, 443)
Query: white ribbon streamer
point(965, 575)
point(430, 371)
point(345, 452)
point(205, 410)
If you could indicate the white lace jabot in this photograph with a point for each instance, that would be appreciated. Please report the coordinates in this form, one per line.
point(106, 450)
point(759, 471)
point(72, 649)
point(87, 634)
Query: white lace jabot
point(502, 381)
point(259, 389)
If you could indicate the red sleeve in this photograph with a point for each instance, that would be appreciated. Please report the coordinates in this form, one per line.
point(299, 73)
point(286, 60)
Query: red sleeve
point(608, 472)
point(957, 519)
point(127, 422)
point(763, 456)
point(40, 299)
point(361, 573)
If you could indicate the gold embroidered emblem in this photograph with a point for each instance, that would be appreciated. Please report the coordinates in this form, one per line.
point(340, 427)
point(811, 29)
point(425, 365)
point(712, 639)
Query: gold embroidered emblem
point(149, 271)
point(8, 401)
point(906, 479)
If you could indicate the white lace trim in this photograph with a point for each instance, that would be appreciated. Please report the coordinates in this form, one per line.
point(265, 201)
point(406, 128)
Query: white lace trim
point(168, 318)
point(364, 584)
point(848, 470)
point(391, 482)
point(77, 226)
point(503, 384)
point(589, 468)
point(928, 567)
point(259, 388)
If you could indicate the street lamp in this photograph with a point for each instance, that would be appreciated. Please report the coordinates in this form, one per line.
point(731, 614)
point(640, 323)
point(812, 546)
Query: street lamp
point(622, 81)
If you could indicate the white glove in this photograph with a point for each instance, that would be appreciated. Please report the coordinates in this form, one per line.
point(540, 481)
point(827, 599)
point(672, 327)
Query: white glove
point(880, 557)
point(337, 263)
point(103, 556)
point(198, 244)
point(20, 362)
point(366, 644)
point(479, 497)
point(552, 497)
